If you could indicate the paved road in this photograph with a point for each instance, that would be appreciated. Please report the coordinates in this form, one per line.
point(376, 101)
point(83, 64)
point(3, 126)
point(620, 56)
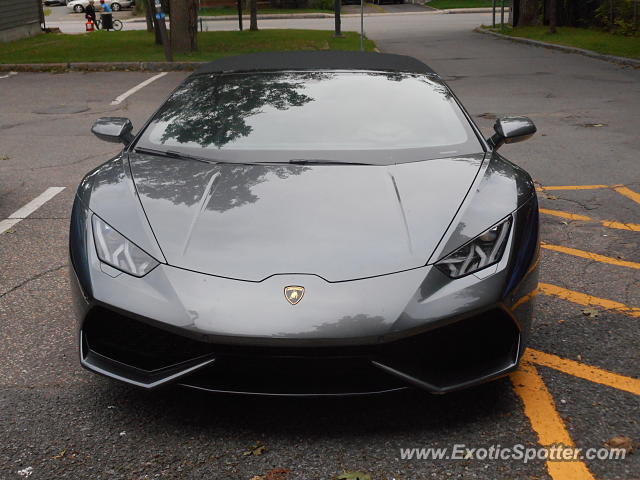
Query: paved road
point(63, 422)
point(392, 20)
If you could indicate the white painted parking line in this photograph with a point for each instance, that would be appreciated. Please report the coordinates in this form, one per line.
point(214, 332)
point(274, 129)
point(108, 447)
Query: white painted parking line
point(133, 90)
point(29, 208)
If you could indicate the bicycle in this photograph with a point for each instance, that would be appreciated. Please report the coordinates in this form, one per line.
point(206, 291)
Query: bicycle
point(116, 24)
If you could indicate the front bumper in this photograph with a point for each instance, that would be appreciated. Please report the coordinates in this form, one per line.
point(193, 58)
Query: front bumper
point(415, 328)
point(470, 351)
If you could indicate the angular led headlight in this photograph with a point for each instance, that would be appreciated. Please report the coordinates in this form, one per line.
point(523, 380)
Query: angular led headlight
point(115, 250)
point(484, 250)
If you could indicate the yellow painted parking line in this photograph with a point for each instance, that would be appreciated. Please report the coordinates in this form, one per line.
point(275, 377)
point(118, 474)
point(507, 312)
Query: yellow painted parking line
point(634, 227)
point(580, 370)
point(588, 300)
point(567, 215)
point(540, 409)
point(526, 298)
point(590, 256)
point(574, 187)
point(627, 192)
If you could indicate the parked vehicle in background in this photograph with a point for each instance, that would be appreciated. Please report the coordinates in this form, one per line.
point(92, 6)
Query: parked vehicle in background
point(78, 6)
point(56, 2)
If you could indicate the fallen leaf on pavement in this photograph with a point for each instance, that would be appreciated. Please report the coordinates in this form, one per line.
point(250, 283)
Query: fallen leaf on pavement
point(60, 455)
point(257, 449)
point(620, 442)
point(353, 476)
point(277, 474)
point(591, 312)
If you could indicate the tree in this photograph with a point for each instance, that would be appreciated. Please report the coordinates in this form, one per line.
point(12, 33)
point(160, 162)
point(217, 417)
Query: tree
point(553, 15)
point(528, 14)
point(184, 25)
point(253, 15)
point(150, 9)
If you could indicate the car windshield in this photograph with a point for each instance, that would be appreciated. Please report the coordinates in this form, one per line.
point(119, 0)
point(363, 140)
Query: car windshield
point(351, 116)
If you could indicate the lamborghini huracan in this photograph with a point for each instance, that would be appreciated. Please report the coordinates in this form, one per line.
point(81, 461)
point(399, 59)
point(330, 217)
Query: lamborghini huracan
point(306, 223)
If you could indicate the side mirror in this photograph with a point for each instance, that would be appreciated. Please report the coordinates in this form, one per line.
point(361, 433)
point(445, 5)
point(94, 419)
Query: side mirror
point(113, 129)
point(512, 130)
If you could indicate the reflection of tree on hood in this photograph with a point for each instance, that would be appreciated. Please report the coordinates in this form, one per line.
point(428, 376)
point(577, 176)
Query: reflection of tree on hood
point(185, 181)
point(211, 110)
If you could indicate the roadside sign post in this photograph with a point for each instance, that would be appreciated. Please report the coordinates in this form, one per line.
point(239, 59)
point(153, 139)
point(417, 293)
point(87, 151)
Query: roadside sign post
point(494, 14)
point(362, 25)
point(160, 16)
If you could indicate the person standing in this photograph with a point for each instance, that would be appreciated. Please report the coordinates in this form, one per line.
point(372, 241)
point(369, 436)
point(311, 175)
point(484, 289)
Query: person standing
point(107, 19)
point(90, 13)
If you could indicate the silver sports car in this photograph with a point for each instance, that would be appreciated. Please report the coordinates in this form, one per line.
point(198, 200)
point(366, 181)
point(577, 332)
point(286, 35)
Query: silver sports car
point(312, 223)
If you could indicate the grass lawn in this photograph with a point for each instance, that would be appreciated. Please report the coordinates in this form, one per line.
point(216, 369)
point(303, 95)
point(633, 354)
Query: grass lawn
point(215, 11)
point(446, 4)
point(136, 46)
point(595, 40)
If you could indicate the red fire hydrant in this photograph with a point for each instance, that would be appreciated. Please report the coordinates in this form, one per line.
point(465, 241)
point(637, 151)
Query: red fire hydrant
point(89, 25)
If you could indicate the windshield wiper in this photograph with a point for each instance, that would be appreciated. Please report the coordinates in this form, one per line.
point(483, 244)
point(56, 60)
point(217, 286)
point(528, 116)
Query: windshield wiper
point(174, 154)
point(321, 161)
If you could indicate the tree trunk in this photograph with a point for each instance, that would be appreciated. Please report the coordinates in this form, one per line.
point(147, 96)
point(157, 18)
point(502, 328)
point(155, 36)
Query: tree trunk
point(148, 13)
point(184, 26)
point(528, 15)
point(149, 7)
point(239, 5)
point(253, 15)
point(553, 15)
point(338, 20)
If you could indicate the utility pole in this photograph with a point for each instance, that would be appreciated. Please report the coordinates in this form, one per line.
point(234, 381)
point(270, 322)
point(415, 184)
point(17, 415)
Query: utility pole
point(336, 8)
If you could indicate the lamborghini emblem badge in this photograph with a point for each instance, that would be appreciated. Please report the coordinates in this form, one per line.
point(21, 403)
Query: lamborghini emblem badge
point(293, 294)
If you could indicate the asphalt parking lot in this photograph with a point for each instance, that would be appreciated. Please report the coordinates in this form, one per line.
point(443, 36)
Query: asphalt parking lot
point(579, 382)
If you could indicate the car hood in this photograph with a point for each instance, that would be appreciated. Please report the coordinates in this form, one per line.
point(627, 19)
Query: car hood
point(340, 222)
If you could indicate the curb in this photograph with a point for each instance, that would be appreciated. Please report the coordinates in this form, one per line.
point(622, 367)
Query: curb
point(473, 10)
point(268, 16)
point(563, 48)
point(100, 66)
point(284, 16)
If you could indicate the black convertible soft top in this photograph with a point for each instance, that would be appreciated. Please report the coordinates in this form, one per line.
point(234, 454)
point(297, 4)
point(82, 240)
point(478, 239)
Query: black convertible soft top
point(323, 60)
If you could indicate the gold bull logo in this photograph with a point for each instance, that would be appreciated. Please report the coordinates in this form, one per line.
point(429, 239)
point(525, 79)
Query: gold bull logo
point(293, 294)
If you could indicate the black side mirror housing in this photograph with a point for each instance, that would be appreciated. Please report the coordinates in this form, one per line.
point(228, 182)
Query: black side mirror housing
point(512, 130)
point(113, 129)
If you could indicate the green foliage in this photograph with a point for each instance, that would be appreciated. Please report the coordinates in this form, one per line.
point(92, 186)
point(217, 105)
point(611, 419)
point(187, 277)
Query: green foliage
point(589, 39)
point(449, 4)
point(623, 19)
point(322, 4)
point(135, 46)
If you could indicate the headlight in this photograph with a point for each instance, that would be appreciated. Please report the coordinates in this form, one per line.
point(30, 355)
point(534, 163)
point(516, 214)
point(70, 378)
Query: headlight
point(120, 253)
point(484, 250)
